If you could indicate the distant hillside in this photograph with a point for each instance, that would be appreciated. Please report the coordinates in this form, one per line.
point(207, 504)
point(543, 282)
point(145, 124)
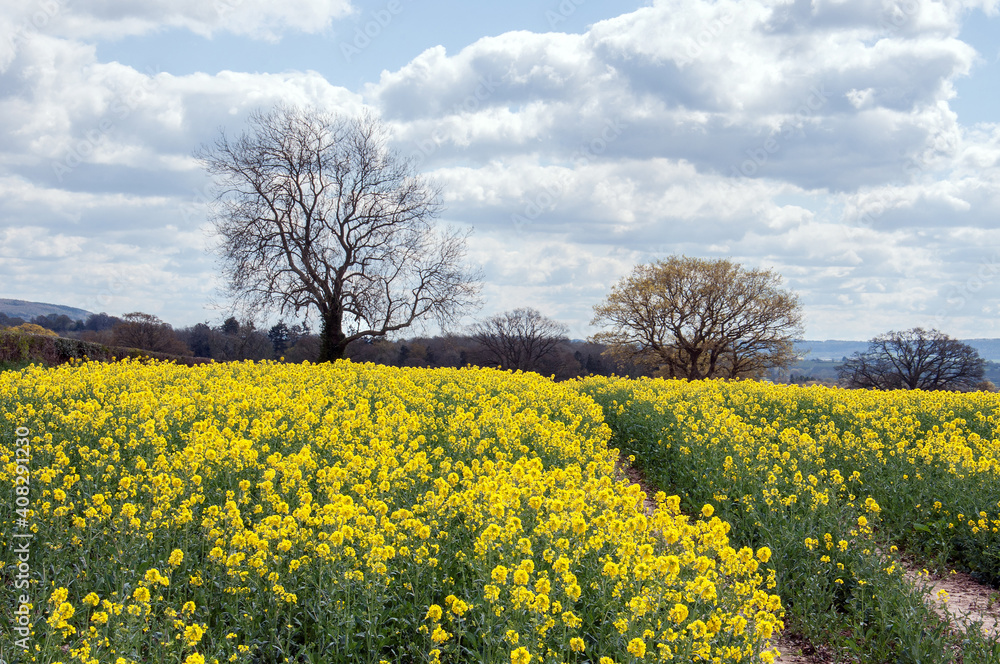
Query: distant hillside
point(829, 349)
point(28, 310)
point(988, 348)
point(832, 349)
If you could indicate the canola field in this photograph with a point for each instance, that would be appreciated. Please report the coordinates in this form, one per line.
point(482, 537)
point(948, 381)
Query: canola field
point(354, 513)
point(840, 485)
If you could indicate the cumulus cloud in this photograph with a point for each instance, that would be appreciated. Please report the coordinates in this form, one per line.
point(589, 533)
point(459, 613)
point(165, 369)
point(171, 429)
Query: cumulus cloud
point(812, 137)
point(100, 196)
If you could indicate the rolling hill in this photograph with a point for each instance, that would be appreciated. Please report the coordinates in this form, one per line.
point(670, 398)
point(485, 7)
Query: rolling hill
point(832, 349)
point(28, 310)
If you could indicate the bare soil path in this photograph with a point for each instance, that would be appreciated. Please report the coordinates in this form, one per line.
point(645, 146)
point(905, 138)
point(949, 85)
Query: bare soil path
point(959, 598)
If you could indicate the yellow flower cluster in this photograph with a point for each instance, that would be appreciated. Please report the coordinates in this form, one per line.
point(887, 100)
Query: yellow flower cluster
point(362, 513)
point(838, 467)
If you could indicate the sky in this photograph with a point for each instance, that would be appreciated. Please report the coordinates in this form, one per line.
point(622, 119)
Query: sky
point(853, 146)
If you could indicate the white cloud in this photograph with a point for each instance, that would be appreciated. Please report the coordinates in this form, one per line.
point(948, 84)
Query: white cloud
point(261, 19)
point(812, 137)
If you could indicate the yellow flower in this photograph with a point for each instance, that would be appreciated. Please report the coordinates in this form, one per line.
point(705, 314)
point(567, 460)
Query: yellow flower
point(458, 607)
point(193, 634)
point(176, 557)
point(576, 644)
point(637, 647)
point(153, 576)
point(520, 656)
point(433, 613)
point(763, 554)
point(707, 511)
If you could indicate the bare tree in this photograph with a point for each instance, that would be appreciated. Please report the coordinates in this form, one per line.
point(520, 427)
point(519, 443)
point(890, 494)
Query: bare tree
point(914, 359)
point(518, 339)
point(317, 214)
point(694, 318)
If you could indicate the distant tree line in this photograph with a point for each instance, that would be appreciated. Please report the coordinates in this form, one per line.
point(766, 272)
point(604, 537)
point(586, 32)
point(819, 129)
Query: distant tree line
point(522, 339)
point(676, 318)
point(61, 323)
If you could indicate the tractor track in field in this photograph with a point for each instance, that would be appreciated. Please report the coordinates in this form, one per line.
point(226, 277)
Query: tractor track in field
point(965, 603)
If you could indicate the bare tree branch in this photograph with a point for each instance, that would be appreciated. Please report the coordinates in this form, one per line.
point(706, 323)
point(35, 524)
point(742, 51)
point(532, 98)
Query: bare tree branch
point(518, 339)
point(694, 318)
point(317, 214)
point(914, 359)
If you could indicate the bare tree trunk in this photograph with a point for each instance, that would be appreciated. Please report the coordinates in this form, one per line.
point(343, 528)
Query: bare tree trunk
point(333, 341)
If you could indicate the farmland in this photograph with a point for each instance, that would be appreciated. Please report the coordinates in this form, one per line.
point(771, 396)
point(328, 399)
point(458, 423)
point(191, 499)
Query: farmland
point(837, 483)
point(265, 512)
point(341, 512)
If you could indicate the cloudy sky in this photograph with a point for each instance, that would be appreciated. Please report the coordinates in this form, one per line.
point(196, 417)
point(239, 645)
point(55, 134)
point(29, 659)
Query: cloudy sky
point(851, 145)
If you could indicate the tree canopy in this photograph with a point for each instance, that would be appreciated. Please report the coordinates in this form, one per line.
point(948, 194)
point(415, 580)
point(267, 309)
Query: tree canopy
point(914, 359)
point(695, 318)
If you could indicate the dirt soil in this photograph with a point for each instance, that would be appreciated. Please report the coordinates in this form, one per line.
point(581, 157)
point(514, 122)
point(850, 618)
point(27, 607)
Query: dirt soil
point(966, 601)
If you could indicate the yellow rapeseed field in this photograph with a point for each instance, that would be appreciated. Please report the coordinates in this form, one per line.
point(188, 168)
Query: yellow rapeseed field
point(834, 482)
point(348, 513)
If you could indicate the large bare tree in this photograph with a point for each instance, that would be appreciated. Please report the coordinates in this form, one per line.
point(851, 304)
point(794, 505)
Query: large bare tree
point(316, 213)
point(518, 339)
point(914, 359)
point(694, 318)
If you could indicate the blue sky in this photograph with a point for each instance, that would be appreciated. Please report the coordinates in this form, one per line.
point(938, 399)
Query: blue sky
point(852, 146)
point(978, 95)
point(400, 36)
